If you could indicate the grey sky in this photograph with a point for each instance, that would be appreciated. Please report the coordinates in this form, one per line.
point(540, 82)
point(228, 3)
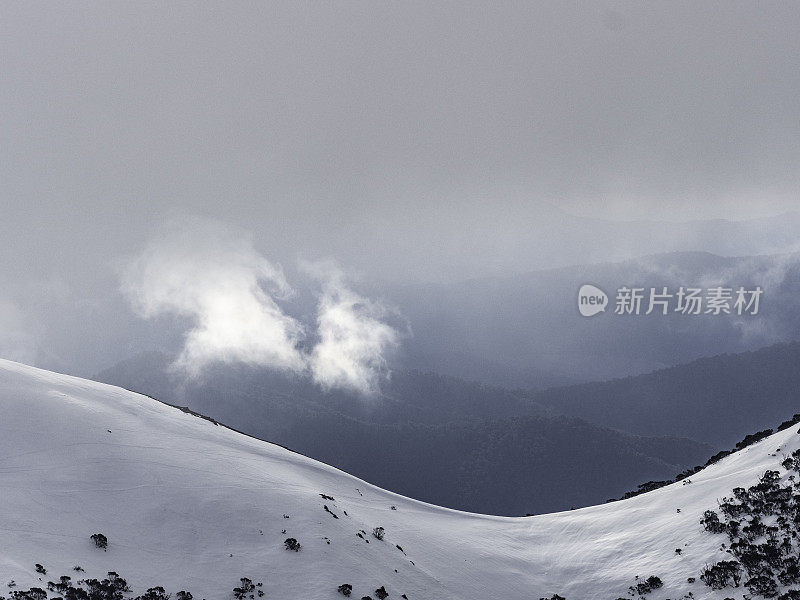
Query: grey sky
point(406, 140)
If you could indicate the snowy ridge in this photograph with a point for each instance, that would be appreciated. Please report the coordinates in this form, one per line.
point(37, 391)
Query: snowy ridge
point(194, 506)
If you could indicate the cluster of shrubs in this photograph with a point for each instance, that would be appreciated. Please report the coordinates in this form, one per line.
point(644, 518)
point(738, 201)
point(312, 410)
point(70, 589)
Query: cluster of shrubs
point(761, 523)
point(113, 587)
point(641, 588)
point(247, 589)
point(749, 440)
point(346, 589)
point(646, 586)
point(100, 540)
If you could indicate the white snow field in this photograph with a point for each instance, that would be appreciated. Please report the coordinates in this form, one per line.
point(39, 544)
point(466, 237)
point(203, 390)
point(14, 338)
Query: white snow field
point(194, 506)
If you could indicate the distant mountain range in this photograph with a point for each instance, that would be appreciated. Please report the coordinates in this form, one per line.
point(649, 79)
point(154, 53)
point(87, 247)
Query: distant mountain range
point(714, 400)
point(525, 330)
point(439, 439)
point(503, 244)
point(483, 448)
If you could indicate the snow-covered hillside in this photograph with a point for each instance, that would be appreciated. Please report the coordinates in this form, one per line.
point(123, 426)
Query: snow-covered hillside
point(191, 505)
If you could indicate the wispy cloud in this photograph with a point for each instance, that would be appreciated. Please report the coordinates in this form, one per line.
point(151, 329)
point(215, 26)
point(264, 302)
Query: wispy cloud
point(353, 338)
point(213, 275)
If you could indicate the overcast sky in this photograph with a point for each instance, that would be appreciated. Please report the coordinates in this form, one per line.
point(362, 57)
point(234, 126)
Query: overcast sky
point(395, 138)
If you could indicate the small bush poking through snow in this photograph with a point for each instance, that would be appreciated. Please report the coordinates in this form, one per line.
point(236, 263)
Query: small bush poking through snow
point(100, 540)
point(647, 586)
point(246, 589)
point(292, 544)
point(381, 593)
point(379, 532)
point(345, 589)
point(711, 522)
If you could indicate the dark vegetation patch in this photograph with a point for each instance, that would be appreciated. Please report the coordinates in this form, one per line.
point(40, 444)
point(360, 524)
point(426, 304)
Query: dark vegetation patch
point(761, 524)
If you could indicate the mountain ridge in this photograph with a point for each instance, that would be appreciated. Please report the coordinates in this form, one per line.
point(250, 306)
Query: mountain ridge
point(193, 506)
point(399, 443)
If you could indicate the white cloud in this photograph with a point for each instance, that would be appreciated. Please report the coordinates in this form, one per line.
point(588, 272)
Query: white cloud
point(215, 276)
point(353, 340)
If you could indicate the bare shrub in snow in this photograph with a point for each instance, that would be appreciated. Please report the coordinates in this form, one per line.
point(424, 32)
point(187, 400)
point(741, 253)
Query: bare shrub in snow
point(100, 540)
point(292, 544)
point(245, 589)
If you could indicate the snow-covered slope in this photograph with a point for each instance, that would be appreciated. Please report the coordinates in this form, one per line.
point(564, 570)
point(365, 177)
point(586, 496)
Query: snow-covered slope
point(191, 505)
